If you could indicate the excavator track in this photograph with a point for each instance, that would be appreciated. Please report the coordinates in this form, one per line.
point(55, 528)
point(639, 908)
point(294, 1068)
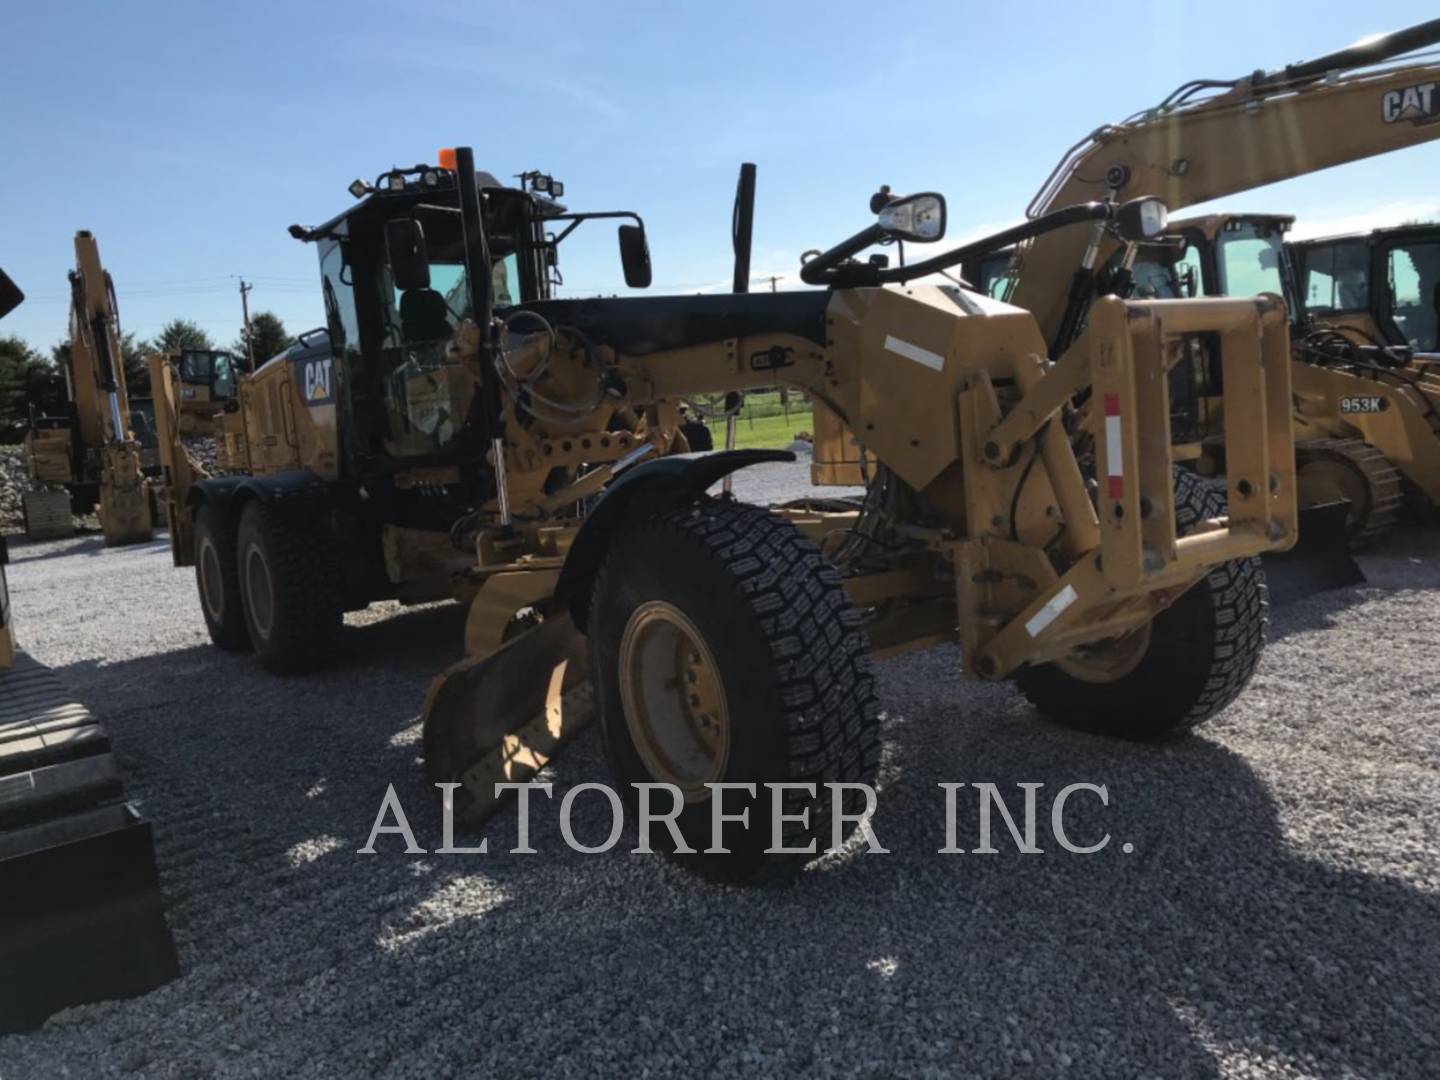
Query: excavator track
point(1355, 470)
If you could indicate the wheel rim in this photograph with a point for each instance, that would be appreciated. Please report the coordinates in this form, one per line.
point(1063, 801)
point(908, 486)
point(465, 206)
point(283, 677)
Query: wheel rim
point(259, 597)
point(1108, 660)
point(212, 582)
point(674, 699)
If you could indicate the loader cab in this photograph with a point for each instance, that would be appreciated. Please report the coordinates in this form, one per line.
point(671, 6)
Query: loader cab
point(1385, 284)
point(1218, 255)
point(207, 375)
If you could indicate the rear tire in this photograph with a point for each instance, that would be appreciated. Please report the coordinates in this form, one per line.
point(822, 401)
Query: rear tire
point(218, 581)
point(293, 606)
point(1201, 652)
point(781, 668)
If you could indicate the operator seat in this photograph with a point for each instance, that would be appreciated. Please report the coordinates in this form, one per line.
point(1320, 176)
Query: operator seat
point(424, 316)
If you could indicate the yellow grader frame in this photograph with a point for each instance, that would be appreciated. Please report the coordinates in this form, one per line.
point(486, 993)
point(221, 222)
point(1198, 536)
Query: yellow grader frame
point(1025, 508)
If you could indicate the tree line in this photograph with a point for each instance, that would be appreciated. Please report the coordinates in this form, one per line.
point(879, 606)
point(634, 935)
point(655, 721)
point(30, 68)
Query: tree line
point(29, 376)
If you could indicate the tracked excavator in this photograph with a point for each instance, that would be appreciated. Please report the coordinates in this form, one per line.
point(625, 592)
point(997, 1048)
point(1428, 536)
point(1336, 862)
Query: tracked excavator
point(469, 435)
point(81, 917)
point(93, 451)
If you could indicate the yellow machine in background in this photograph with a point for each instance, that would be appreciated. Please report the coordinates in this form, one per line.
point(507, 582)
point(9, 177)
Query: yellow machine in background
point(81, 917)
point(1367, 413)
point(93, 451)
point(207, 386)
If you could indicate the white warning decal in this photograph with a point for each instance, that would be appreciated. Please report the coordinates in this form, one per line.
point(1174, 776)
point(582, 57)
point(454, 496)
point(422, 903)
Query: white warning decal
point(934, 361)
point(1036, 624)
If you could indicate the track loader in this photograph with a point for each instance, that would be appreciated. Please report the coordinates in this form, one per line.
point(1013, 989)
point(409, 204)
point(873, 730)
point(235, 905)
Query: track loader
point(470, 435)
point(93, 452)
point(1380, 288)
point(80, 907)
point(1367, 413)
point(206, 379)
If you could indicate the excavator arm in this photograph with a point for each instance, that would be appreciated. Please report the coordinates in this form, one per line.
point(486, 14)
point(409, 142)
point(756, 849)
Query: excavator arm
point(102, 403)
point(1359, 102)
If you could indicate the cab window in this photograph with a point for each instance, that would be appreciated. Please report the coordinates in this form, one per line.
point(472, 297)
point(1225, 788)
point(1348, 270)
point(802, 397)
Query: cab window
point(1337, 278)
point(1249, 261)
point(1414, 282)
point(223, 387)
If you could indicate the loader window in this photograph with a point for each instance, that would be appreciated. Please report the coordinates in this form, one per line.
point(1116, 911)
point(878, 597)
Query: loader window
point(1249, 261)
point(223, 388)
point(1414, 273)
point(1337, 278)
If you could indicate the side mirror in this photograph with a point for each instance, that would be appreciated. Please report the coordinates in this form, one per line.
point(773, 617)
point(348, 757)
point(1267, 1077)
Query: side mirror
point(635, 256)
point(409, 261)
point(10, 295)
point(920, 218)
point(1142, 219)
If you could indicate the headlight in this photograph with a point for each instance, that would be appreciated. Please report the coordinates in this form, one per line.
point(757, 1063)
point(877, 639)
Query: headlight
point(915, 217)
point(1144, 218)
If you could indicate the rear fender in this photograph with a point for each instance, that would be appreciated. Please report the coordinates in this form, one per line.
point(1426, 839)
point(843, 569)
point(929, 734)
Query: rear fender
point(643, 491)
point(229, 494)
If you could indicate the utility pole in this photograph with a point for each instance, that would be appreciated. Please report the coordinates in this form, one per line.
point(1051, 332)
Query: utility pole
point(773, 279)
point(245, 308)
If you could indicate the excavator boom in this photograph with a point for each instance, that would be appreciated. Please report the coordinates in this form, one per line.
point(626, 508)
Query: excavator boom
point(1260, 129)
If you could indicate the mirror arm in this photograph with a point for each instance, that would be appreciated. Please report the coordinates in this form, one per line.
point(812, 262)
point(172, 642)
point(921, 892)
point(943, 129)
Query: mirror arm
point(576, 220)
point(822, 270)
point(1059, 219)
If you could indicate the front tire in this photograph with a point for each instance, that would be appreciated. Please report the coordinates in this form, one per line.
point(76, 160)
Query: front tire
point(1185, 666)
point(218, 581)
point(293, 608)
point(725, 649)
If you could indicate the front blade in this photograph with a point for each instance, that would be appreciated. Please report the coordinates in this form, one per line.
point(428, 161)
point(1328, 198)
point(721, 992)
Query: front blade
point(500, 718)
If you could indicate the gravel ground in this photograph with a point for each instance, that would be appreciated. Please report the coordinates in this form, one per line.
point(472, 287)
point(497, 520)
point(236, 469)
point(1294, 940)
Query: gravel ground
point(1277, 914)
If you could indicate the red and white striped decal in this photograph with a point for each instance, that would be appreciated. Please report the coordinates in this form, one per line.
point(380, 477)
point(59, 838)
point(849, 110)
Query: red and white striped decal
point(1114, 447)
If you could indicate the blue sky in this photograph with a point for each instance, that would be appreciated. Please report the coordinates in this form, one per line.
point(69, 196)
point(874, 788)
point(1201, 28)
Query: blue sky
point(188, 136)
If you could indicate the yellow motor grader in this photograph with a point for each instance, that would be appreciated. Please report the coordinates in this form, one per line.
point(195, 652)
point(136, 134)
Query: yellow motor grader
point(468, 435)
point(93, 452)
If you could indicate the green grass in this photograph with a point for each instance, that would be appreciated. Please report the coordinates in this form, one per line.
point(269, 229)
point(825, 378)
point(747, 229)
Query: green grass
point(763, 424)
point(763, 432)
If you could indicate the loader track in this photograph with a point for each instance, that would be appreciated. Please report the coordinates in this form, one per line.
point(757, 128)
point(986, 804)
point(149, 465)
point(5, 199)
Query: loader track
point(1367, 473)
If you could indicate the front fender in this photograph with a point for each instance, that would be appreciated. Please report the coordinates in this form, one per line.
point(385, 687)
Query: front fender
point(643, 491)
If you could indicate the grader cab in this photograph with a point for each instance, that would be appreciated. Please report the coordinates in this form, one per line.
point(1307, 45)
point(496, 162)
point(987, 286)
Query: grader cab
point(470, 435)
